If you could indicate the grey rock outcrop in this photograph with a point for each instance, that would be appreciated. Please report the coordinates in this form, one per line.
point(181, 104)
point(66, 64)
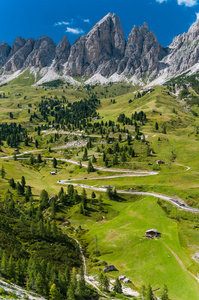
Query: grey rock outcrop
point(98, 51)
point(4, 53)
point(110, 268)
point(142, 53)
point(18, 43)
point(183, 53)
point(42, 54)
point(62, 53)
point(104, 50)
point(16, 62)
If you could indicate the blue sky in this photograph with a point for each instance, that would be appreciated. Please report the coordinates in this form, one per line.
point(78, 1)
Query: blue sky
point(56, 18)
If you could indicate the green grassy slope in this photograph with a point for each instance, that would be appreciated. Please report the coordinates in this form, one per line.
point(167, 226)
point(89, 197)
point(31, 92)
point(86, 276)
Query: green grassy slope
point(121, 243)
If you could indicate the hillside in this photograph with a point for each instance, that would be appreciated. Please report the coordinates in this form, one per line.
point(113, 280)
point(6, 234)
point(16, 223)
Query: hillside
point(70, 144)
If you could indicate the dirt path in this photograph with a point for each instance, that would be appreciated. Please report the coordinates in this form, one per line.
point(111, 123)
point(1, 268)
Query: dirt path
point(180, 262)
point(84, 268)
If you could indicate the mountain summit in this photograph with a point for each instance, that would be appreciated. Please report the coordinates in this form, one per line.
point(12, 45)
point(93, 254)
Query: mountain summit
point(104, 50)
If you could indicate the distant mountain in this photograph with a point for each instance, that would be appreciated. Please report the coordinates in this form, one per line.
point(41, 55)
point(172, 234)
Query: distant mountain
point(103, 54)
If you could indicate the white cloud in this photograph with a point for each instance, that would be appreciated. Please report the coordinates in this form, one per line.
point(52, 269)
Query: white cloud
point(61, 23)
point(188, 3)
point(197, 16)
point(74, 30)
point(86, 21)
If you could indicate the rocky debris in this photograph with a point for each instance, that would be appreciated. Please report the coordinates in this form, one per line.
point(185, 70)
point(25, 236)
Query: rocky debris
point(122, 277)
point(126, 280)
point(110, 268)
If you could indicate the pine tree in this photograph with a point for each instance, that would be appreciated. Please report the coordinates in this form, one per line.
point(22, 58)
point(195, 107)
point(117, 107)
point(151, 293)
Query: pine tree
point(115, 159)
point(39, 283)
point(70, 292)
point(156, 126)
point(94, 159)
point(43, 198)
point(54, 229)
point(80, 286)
point(53, 207)
point(84, 198)
point(39, 159)
point(143, 291)
point(3, 172)
point(11, 268)
point(165, 293)
point(31, 160)
point(85, 155)
point(4, 263)
point(93, 195)
point(149, 293)
point(23, 181)
point(90, 167)
point(123, 157)
point(81, 209)
point(54, 163)
point(54, 293)
point(118, 287)
point(106, 162)
point(106, 283)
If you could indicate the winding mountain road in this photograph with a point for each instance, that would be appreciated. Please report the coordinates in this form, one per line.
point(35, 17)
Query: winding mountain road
point(128, 173)
point(175, 202)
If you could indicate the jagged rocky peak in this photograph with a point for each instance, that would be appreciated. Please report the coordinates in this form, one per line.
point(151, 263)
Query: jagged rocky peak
point(17, 60)
point(194, 29)
point(18, 43)
point(62, 53)
point(183, 52)
point(42, 54)
point(142, 53)
point(4, 53)
point(99, 50)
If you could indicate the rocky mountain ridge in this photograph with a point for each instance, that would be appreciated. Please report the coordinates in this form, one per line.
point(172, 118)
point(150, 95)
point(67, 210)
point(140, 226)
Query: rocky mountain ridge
point(104, 52)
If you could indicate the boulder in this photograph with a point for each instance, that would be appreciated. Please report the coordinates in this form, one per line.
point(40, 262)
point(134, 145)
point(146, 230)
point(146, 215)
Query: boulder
point(126, 280)
point(110, 268)
point(122, 277)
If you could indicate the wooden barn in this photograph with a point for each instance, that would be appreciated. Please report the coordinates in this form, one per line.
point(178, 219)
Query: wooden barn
point(152, 233)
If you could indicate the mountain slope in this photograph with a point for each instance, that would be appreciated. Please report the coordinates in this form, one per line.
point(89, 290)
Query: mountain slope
point(104, 51)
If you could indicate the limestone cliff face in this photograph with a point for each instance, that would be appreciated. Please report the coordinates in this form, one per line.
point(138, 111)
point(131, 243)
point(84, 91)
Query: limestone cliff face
point(16, 62)
point(104, 50)
point(183, 52)
point(17, 44)
point(142, 53)
point(42, 53)
point(98, 51)
point(4, 53)
point(62, 53)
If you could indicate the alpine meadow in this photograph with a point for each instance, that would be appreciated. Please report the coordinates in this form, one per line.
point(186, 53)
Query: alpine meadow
point(99, 165)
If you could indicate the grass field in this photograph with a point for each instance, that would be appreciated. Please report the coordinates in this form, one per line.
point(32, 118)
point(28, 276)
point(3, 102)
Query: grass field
point(121, 242)
point(120, 228)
